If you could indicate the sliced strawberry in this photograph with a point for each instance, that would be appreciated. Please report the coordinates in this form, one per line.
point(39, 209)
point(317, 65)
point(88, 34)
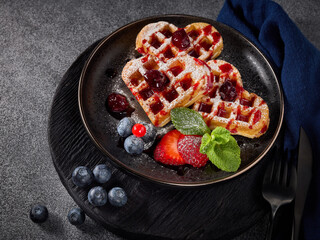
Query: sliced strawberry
point(188, 147)
point(166, 151)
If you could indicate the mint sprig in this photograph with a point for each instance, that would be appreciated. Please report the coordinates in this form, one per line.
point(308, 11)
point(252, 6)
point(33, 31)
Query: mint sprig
point(188, 121)
point(222, 149)
point(219, 145)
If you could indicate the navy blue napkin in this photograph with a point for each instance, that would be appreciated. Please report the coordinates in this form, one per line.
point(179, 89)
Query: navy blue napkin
point(297, 63)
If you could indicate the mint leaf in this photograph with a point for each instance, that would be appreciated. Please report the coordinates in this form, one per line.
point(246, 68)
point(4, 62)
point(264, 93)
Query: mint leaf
point(222, 149)
point(188, 121)
point(205, 143)
point(220, 135)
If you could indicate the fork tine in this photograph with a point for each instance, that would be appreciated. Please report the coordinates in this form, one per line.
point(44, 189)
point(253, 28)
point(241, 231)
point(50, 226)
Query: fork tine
point(269, 172)
point(278, 171)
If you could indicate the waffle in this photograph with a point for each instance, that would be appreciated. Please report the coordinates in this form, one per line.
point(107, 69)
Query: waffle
point(187, 79)
point(156, 39)
point(230, 106)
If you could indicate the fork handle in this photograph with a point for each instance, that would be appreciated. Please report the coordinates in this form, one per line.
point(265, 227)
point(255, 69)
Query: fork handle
point(274, 210)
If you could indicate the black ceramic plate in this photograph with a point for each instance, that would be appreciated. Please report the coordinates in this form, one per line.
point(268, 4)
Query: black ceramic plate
point(102, 76)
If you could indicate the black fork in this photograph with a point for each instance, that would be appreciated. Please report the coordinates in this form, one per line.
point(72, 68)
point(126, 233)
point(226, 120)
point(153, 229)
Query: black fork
point(279, 185)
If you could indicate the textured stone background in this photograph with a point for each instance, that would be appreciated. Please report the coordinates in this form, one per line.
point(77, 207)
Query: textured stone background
point(39, 40)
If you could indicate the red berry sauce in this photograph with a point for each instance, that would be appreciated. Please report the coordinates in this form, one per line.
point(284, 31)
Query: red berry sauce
point(156, 80)
point(156, 107)
point(176, 70)
point(225, 68)
point(118, 106)
point(180, 39)
point(171, 95)
point(228, 91)
point(194, 34)
point(216, 38)
point(193, 53)
point(186, 83)
point(204, 107)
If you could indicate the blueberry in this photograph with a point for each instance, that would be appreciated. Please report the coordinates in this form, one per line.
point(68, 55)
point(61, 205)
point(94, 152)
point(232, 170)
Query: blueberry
point(76, 216)
point(39, 213)
point(134, 145)
point(150, 135)
point(101, 173)
point(124, 127)
point(82, 176)
point(117, 197)
point(97, 196)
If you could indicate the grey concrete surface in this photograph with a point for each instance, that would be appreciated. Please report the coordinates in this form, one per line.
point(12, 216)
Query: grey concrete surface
point(39, 40)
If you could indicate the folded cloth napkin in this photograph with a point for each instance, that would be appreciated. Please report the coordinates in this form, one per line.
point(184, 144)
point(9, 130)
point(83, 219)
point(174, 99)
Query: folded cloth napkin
point(297, 63)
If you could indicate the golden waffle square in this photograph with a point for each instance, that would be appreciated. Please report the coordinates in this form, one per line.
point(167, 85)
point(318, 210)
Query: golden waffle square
point(230, 106)
point(165, 41)
point(161, 86)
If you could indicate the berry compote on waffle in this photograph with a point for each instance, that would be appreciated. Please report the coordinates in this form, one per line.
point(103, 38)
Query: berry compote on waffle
point(161, 86)
point(230, 106)
point(166, 41)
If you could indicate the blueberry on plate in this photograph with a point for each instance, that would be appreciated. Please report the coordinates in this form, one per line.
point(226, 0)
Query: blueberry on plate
point(82, 176)
point(134, 145)
point(38, 213)
point(97, 196)
point(76, 216)
point(117, 197)
point(150, 136)
point(101, 173)
point(124, 127)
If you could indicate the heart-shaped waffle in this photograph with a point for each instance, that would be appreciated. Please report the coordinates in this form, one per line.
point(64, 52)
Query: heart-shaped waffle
point(230, 106)
point(161, 86)
point(165, 41)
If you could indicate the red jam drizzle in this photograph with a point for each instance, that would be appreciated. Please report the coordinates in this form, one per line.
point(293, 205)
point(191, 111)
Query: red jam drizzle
point(176, 70)
point(242, 118)
point(207, 30)
point(171, 95)
point(256, 117)
point(222, 112)
point(216, 38)
point(205, 45)
point(145, 59)
point(194, 34)
point(186, 83)
point(246, 102)
point(213, 93)
point(264, 129)
point(156, 80)
point(155, 42)
point(180, 39)
point(166, 33)
point(225, 68)
point(262, 103)
point(204, 107)
point(193, 53)
point(134, 82)
point(156, 107)
point(228, 92)
point(168, 53)
point(146, 93)
point(141, 50)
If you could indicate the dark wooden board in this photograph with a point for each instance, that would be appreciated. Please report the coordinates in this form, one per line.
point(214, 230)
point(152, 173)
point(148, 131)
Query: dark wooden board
point(219, 211)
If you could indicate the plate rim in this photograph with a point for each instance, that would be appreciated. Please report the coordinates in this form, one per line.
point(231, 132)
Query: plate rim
point(172, 183)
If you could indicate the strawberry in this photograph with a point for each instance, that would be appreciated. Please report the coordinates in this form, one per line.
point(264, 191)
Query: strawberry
point(188, 147)
point(166, 151)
